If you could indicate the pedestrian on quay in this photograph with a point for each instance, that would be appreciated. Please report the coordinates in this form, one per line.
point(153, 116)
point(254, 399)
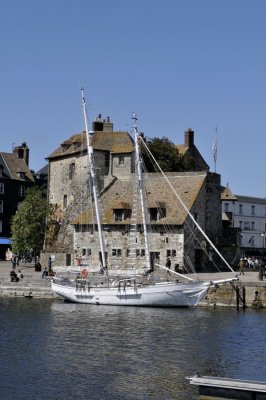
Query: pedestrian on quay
point(49, 264)
point(168, 265)
point(14, 261)
point(241, 266)
point(45, 273)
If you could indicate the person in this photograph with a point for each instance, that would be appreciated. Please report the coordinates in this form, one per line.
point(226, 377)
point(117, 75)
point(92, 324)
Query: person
point(13, 276)
point(45, 273)
point(14, 261)
point(168, 264)
point(79, 259)
point(20, 275)
point(241, 266)
point(257, 303)
point(50, 264)
point(250, 263)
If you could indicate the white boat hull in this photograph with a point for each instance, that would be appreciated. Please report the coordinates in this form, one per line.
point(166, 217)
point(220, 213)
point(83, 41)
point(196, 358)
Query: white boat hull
point(157, 295)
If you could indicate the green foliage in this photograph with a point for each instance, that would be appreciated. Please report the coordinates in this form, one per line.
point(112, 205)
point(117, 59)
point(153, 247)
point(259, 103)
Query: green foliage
point(28, 225)
point(165, 153)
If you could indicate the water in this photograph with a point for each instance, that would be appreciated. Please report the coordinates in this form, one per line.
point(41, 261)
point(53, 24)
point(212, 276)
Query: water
point(54, 350)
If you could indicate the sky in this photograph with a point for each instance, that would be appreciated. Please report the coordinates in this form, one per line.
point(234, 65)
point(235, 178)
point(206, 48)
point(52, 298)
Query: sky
point(178, 64)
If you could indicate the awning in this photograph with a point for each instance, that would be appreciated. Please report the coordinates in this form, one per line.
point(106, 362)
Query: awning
point(4, 240)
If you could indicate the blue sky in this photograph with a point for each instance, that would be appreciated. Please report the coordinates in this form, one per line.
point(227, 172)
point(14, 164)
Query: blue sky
point(178, 64)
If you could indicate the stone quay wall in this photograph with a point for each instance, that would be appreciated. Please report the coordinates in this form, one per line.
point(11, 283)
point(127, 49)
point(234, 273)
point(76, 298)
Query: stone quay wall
point(32, 285)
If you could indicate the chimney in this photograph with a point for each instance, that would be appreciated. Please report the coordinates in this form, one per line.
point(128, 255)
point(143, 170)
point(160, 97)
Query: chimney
point(107, 125)
point(189, 138)
point(22, 152)
point(97, 125)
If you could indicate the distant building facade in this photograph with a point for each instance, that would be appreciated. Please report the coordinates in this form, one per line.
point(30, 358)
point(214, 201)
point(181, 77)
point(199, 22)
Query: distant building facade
point(248, 215)
point(15, 178)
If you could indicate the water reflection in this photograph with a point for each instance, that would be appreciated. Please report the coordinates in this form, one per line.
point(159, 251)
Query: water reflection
point(63, 351)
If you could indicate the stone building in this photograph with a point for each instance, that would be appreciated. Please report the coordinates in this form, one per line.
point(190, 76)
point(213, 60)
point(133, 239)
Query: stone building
point(73, 232)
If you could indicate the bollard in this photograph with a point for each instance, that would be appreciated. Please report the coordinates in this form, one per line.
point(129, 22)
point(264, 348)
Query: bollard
point(261, 272)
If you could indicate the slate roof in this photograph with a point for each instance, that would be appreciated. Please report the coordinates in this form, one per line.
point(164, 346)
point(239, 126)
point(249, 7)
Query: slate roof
point(226, 194)
point(13, 167)
point(114, 142)
point(187, 185)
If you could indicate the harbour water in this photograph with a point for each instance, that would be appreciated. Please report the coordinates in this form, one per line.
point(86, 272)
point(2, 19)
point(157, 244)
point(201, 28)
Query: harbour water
point(52, 350)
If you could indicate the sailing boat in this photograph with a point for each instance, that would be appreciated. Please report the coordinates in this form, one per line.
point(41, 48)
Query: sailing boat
point(132, 289)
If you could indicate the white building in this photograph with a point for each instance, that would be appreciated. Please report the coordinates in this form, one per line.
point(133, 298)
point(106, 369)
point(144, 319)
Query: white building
point(249, 215)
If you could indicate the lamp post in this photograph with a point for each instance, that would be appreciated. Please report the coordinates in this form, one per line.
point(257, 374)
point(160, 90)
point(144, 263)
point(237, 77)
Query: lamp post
point(262, 237)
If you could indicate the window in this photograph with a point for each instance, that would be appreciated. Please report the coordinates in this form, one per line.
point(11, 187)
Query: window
point(240, 208)
point(65, 201)
point(2, 188)
point(240, 224)
point(21, 191)
point(226, 207)
point(251, 241)
point(153, 214)
point(142, 252)
point(118, 215)
point(116, 252)
point(170, 253)
point(71, 170)
point(127, 213)
point(86, 252)
point(22, 175)
point(121, 160)
point(246, 226)
point(253, 226)
point(253, 210)
point(121, 214)
point(162, 213)
point(1, 206)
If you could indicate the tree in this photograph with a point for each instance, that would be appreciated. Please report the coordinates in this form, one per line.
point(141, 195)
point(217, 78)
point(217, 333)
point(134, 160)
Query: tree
point(165, 153)
point(28, 225)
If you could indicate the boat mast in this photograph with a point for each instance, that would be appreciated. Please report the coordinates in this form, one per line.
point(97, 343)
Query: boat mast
point(89, 135)
point(138, 166)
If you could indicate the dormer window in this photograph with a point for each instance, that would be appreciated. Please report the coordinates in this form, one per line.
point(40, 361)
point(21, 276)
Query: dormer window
point(22, 175)
point(157, 213)
point(65, 146)
point(121, 214)
point(76, 145)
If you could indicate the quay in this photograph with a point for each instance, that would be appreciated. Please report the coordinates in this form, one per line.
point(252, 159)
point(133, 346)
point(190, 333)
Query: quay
point(217, 388)
point(240, 294)
point(30, 286)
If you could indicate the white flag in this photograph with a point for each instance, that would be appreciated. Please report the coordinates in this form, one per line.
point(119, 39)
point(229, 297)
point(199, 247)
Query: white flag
point(214, 148)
